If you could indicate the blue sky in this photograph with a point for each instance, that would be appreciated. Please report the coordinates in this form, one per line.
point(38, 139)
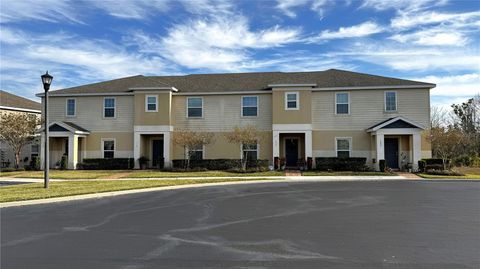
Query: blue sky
point(84, 41)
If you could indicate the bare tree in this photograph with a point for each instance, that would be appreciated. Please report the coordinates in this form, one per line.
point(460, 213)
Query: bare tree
point(191, 140)
point(446, 143)
point(247, 136)
point(18, 129)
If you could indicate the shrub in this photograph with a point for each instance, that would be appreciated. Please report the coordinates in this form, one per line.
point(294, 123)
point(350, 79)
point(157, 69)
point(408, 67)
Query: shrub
point(444, 173)
point(435, 163)
point(421, 165)
point(219, 164)
point(64, 162)
point(381, 165)
point(7, 169)
point(340, 164)
point(34, 163)
point(106, 164)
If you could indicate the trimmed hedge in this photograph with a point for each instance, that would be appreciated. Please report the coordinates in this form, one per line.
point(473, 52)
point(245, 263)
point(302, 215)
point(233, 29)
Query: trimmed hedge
point(106, 164)
point(432, 164)
point(218, 164)
point(340, 164)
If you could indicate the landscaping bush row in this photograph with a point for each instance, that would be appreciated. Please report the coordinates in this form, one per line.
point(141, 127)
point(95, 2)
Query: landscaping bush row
point(431, 164)
point(219, 164)
point(340, 164)
point(106, 164)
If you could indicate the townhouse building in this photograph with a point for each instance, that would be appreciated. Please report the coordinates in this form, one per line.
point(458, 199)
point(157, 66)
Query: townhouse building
point(331, 113)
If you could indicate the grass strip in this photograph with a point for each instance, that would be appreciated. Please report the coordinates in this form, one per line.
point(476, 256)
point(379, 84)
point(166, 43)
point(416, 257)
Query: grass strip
point(346, 173)
point(65, 174)
point(467, 176)
point(31, 191)
point(163, 174)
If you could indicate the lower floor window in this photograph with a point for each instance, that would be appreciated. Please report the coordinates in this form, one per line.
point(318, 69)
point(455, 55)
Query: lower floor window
point(250, 151)
point(108, 149)
point(34, 151)
point(196, 153)
point(343, 147)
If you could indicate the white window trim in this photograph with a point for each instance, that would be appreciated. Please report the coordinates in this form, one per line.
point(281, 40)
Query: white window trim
point(156, 102)
point(114, 108)
point(385, 101)
point(258, 150)
point(297, 100)
point(188, 98)
point(74, 110)
point(103, 148)
point(348, 94)
point(242, 106)
point(349, 145)
point(203, 152)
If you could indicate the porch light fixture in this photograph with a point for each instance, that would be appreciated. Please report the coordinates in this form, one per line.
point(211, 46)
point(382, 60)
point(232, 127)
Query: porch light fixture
point(47, 81)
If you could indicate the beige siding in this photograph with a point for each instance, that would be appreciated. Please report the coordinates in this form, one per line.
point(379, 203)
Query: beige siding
point(367, 109)
point(221, 113)
point(89, 113)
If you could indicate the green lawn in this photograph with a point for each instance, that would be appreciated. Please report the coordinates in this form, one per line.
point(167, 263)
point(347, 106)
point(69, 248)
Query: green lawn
point(466, 176)
point(346, 173)
point(33, 191)
point(160, 174)
point(64, 174)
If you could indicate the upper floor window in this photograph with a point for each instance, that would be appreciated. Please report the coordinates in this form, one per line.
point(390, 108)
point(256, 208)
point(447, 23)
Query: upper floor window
point(109, 107)
point(196, 153)
point(343, 147)
point(71, 107)
point(151, 103)
point(342, 103)
point(390, 101)
point(194, 107)
point(291, 101)
point(250, 151)
point(249, 106)
point(108, 148)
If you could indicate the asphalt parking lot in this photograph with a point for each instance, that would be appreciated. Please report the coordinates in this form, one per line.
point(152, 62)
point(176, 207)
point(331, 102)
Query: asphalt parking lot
point(394, 224)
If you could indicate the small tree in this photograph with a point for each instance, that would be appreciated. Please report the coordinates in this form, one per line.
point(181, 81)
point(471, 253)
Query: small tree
point(446, 143)
point(18, 129)
point(246, 136)
point(189, 140)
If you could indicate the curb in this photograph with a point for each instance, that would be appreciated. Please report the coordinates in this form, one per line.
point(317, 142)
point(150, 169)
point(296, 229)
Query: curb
point(186, 186)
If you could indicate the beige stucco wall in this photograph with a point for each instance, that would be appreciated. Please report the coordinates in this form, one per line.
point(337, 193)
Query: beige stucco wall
point(123, 144)
point(221, 113)
point(163, 114)
point(89, 113)
point(367, 109)
point(301, 116)
point(220, 148)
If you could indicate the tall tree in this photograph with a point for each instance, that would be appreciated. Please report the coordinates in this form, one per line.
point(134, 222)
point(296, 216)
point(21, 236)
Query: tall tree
point(447, 143)
point(468, 114)
point(248, 137)
point(189, 140)
point(18, 129)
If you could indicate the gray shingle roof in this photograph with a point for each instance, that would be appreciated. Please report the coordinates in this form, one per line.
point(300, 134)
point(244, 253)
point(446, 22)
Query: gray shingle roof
point(229, 82)
point(12, 100)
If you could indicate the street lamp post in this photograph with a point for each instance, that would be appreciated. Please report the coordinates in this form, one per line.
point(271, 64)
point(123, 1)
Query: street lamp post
point(46, 80)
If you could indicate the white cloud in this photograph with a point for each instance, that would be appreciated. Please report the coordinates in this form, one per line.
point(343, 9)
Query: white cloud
point(45, 10)
point(411, 19)
point(402, 5)
point(461, 86)
point(216, 43)
point(287, 6)
point(360, 30)
point(433, 37)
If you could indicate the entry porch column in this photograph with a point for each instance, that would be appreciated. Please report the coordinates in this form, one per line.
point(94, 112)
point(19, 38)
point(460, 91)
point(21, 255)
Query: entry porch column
point(72, 151)
point(416, 150)
point(380, 148)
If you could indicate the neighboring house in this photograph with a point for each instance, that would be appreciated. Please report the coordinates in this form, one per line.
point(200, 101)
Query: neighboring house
point(303, 114)
point(10, 103)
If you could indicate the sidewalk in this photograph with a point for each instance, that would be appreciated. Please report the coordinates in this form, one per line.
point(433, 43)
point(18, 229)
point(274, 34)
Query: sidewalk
point(300, 178)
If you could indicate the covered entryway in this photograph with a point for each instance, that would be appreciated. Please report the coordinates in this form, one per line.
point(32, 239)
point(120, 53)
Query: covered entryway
point(292, 144)
point(65, 139)
point(152, 142)
point(398, 142)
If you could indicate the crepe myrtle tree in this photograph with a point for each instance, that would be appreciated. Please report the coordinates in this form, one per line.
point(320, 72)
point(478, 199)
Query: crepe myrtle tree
point(446, 143)
point(247, 137)
point(191, 140)
point(17, 130)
